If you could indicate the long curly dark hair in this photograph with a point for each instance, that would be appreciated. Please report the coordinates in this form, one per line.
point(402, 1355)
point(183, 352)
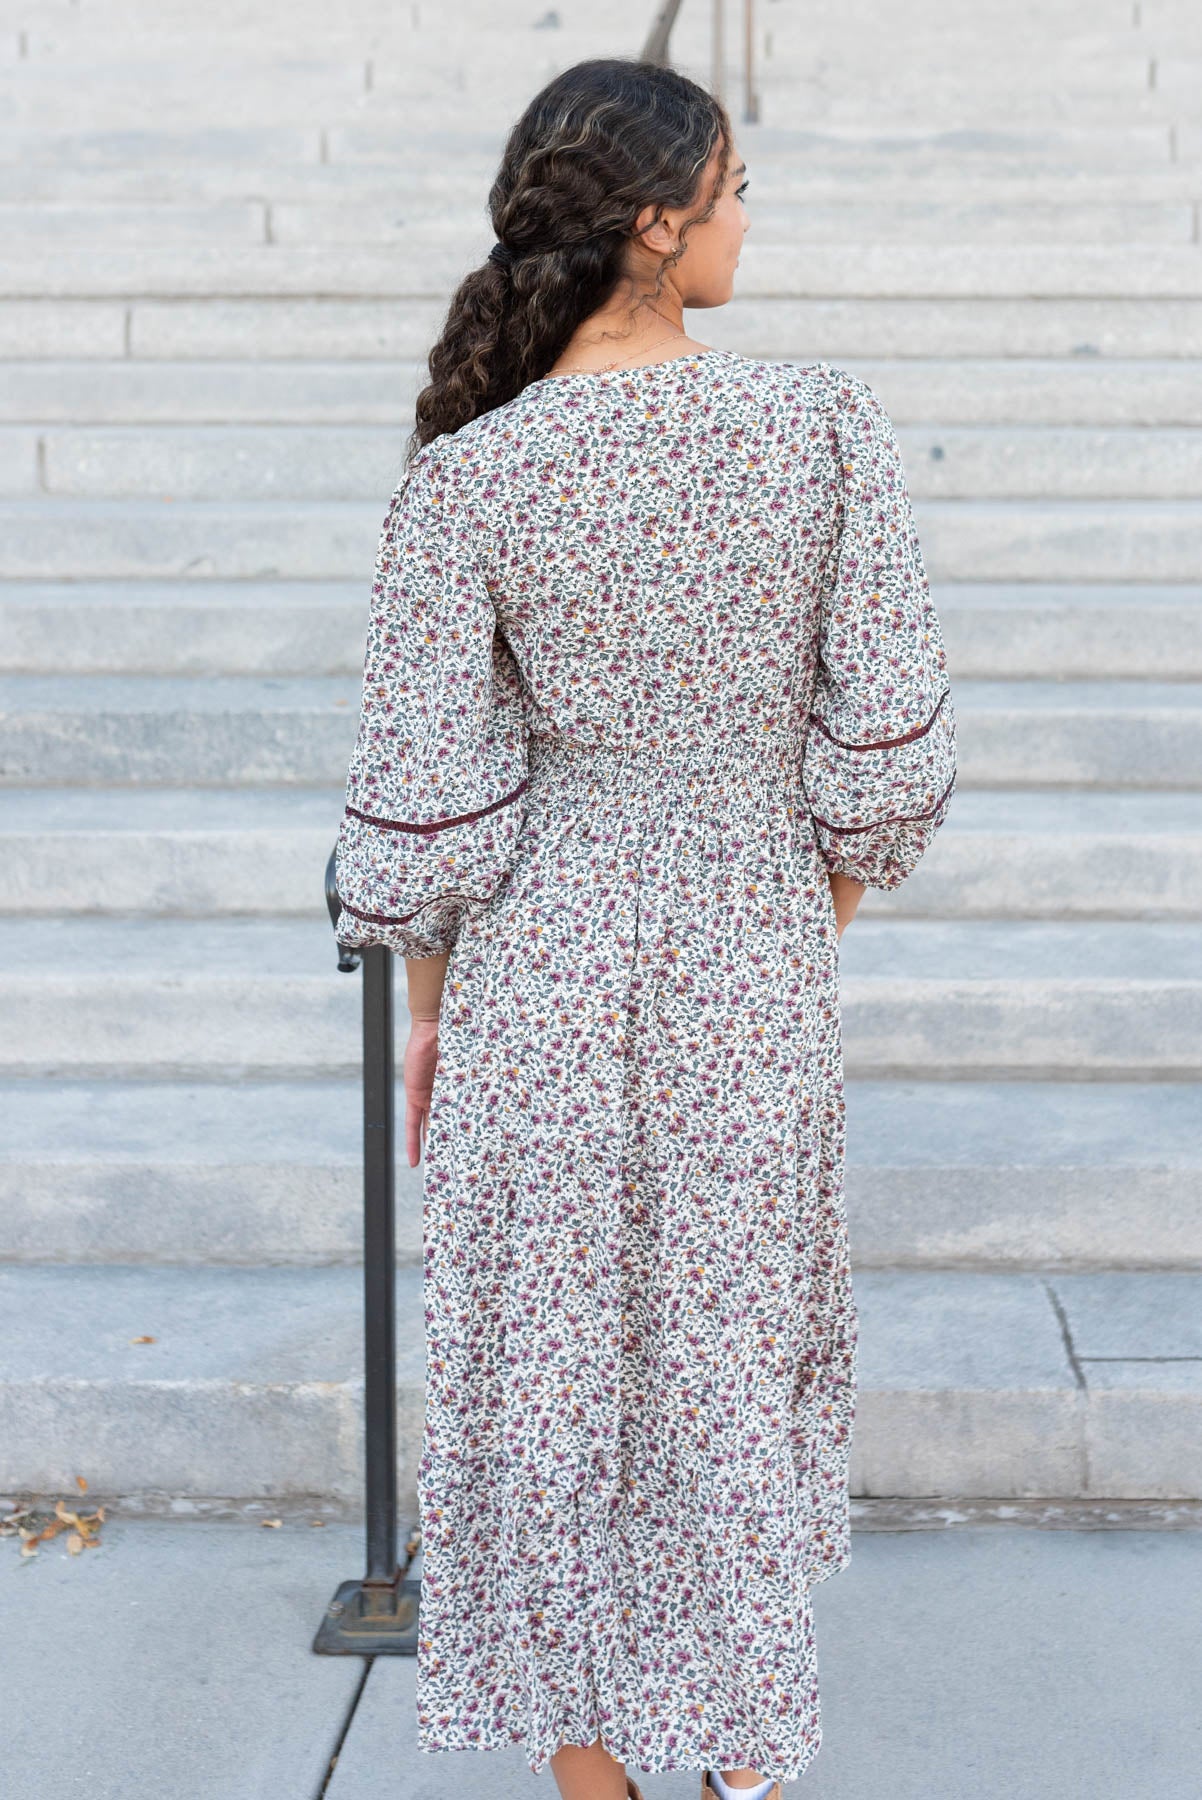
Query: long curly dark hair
point(604, 139)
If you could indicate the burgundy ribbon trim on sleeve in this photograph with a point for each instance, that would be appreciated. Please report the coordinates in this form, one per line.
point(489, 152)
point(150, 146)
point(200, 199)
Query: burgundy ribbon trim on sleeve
point(437, 824)
point(900, 819)
point(403, 918)
point(907, 737)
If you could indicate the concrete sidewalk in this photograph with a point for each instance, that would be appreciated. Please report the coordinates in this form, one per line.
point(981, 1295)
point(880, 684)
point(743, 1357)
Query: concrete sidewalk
point(982, 1662)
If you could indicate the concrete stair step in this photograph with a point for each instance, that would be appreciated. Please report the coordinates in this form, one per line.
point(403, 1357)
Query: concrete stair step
point(174, 730)
point(1061, 540)
point(969, 1384)
point(1102, 733)
point(208, 998)
point(963, 540)
point(1039, 999)
point(130, 223)
point(964, 1174)
point(410, 84)
point(840, 327)
point(1024, 1174)
point(945, 102)
point(1090, 330)
point(256, 730)
point(1089, 54)
point(920, 393)
point(1052, 150)
point(234, 147)
point(196, 998)
point(1049, 149)
point(1048, 854)
point(412, 95)
point(208, 1173)
point(263, 627)
point(801, 178)
point(828, 271)
point(993, 631)
point(1006, 854)
point(1077, 631)
point(166, 851)
point(430, 225)
point(328, 462)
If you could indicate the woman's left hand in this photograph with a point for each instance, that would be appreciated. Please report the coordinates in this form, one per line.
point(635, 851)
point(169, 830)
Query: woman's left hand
point(421, 1060)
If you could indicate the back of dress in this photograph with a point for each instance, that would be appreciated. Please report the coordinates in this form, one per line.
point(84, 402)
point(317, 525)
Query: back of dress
point(650, 653)
point(709, 562)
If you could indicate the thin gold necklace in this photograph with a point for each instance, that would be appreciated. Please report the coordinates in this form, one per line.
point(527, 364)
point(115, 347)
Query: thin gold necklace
point(596, 369)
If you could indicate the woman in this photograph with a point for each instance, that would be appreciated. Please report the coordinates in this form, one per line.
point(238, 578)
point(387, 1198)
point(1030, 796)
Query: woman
point(653, 688)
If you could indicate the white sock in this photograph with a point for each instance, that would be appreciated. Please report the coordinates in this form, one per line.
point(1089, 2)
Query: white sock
point(725, 1792)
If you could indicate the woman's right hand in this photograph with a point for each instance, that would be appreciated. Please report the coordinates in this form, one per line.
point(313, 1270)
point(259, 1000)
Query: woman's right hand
point(846, 895)
point(421, 1060)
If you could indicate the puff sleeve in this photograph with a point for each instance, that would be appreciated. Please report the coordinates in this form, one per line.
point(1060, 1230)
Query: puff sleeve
point(433, 796)
point(880, 753)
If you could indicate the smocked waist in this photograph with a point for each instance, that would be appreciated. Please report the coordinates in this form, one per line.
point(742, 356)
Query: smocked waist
point(770, 763)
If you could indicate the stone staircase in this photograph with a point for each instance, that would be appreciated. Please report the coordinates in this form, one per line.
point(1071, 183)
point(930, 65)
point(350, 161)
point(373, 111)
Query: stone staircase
point(221, 277)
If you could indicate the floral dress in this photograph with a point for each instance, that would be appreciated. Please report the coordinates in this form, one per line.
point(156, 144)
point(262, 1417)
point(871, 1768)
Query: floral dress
point(650, 652)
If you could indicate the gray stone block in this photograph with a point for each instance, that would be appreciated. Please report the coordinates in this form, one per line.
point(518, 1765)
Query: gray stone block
point(162, 144)
point(295, 731)
point(358, 462)
point(1113, 1317)
point(1066, 540)
point(216, 1173)
point(1000, 855)
point(1019, 1174)
point(115, 226)
point(137, 93)
point(927, 999)
point(1080, 390)
point(1161, 272)
point(934, 220)
point(1056, 855)
point(191, 998)
point(195, 393)
point(789, 186)
point(249, 540)
point(218, 462)
point(357, 330)
point(184, 627)
point(1052, 733)
point(1031, 391)
point(63, 328)
point(1082, 631)
point(18, 462)
point(959, 1174)
point(965, 1388)
point(166, 851)
point(1144, 1430)
point(1051, 463)
point(223, 731)
point(184, 997)
point(251, 1386)
point(842, 327)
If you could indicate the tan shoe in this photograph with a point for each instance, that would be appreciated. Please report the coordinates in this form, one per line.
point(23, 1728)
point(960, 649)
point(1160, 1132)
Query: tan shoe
point(710, 1792)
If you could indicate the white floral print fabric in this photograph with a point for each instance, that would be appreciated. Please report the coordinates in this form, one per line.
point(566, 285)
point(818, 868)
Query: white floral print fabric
point(650, 652)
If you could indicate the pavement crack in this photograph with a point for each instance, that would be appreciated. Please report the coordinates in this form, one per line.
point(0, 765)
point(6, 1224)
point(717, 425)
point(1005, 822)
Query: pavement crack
point(351, 1710)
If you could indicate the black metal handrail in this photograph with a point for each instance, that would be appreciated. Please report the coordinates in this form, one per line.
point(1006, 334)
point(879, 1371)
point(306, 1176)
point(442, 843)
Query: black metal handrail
point(656, 49)
point(377, 1614)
